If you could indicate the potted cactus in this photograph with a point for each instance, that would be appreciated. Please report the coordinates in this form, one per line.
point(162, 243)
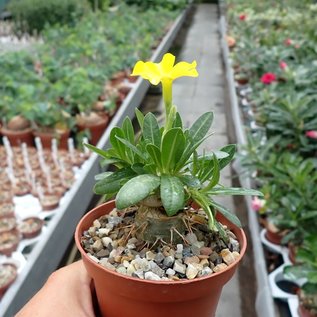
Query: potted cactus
point(164, 246)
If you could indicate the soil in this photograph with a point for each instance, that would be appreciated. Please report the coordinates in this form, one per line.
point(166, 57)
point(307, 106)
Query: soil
point(113, 242)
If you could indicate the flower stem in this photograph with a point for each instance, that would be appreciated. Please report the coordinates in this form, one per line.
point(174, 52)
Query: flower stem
point(167, 96)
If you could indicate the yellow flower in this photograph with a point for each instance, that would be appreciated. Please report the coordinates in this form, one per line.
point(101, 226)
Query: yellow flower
point(165, 70)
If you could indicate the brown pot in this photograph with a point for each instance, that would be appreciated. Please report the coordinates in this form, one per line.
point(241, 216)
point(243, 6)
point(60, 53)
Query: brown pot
point(292, 250)
point(303, 312)
point(274, 237)
point(35, 231)
point(119, 295)
point(96, 131)
point(47, 137)
point(16, 138)
point(4, 287)
point(9, 242)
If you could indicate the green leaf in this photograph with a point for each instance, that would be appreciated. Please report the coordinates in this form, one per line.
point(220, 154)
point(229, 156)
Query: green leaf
point(101, 176)
point(178, 121)
point(132, 147)
point(173, 144)
point(136, 189)
point(201, 126)
point(230, 150)
point(227, 214)
point(112, 183)
point(100, 152)
point(215, 174)
point(116, 144)
point(140, 117)
point(233, 191)
point(155, 154)
point(295, 272)
point(172, 194)
point(151, 130)
point(190, 181)
point(128, 130)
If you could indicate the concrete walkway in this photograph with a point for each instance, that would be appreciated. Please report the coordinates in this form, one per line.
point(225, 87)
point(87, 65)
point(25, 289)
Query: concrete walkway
point(194, 96)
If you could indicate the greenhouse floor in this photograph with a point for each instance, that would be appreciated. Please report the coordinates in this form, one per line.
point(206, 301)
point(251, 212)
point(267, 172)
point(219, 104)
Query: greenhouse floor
point(194, 96)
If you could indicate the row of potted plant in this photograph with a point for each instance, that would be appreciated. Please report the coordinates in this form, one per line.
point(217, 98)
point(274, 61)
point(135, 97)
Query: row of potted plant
point(77, 77)
point(273, 52)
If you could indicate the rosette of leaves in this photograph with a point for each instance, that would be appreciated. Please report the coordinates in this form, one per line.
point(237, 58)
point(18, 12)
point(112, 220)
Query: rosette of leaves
point(161, 170)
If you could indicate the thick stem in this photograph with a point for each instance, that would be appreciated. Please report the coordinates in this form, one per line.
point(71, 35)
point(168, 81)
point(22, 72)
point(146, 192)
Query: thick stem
point(167, 96)
point(153, 224)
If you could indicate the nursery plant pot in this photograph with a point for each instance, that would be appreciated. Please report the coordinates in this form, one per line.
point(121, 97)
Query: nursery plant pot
point(46, 138)
point(16, 138)
point(8, 274)
point(9, 242)
point(292, 250)
point(303, 312)
point(274, 237)
point(31, 227)
point(96, 130)
point(120, 295)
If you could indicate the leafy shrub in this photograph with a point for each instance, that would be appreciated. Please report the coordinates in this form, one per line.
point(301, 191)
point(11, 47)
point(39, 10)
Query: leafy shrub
point(167, 4)
point(33, 15)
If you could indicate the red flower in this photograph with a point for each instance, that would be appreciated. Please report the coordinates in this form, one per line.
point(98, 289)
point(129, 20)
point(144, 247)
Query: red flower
point(311, 134)
point(283, 65)
point(288, 42)
point(242, 17)
point(268, 78)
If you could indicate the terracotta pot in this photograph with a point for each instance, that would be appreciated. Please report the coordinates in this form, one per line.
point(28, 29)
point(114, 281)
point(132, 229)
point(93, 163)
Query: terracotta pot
point(96, 131)
point(28, 233)
point(4, 287)
point(303, 312)
point(119, 295)
point(292, 250)
point(274, 237)
point(9, 242)
point(16, 138)
point(47, 137)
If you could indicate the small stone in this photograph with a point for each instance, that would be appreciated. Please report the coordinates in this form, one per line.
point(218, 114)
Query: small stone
point(111, 260)
point(114, 220)
point(113, 213)
point(103, 253)
point(106, 241)
point(231, 235)
point(133, 240)
point(93, 258)
point(159, 257)
point(169, 261)
point(204, 263)
point(97, 223)
point(149, 255)
point(191, 238)
point(121, 270)
point(167, 251)
point(138, 274)
point(141, 264)
point(205, 271)
point(118, 258)
point(179, 248)
point(97, 246)
point(151, 276)
point(220, 267)
point(104, 231)
point(92, 231)
point(195, 250)
point(201, 257)
point(236, 255)
point(213, 256)
point(235, 245)
point(109, 226)
point(170, 272)
point(131, 269)
point(205, 251)
point(179, 267)
point(125, 263)
point(156, 269)
point(191, 260)
point(131, 246)
point(187, 252)
point(227, 256)
point(108, 266)
point(191, 271)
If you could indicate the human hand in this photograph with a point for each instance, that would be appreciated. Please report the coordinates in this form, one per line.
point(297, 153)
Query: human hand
point(67, 292)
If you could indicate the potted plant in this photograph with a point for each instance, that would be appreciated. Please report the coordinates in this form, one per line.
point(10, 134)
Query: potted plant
point(82, 94)
point(15, 114)
point(306, 268)
point(164, 246)
point(51, 121)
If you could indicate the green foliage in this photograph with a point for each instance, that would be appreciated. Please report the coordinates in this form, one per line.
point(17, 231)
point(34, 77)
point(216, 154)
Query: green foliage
point(166, 162)
point(34, 15)
point(166, 4)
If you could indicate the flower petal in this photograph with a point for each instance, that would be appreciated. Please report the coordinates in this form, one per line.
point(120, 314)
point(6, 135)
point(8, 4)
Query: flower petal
point(184, 69)
point(148, 70)
point(166, 64)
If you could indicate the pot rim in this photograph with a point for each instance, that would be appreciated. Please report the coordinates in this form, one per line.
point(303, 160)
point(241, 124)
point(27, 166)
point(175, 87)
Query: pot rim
point(78, 234)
